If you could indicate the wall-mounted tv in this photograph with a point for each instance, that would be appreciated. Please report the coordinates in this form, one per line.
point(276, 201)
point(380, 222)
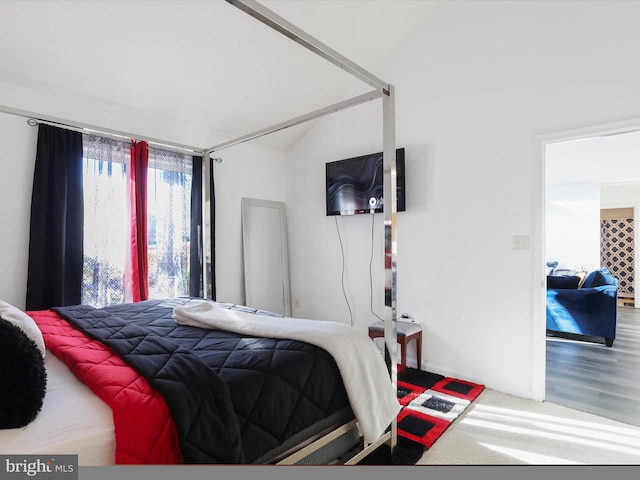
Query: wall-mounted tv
point(355, 185)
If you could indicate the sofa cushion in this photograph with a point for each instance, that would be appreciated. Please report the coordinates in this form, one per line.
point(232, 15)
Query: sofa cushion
point(563, 281)
point(597, 278)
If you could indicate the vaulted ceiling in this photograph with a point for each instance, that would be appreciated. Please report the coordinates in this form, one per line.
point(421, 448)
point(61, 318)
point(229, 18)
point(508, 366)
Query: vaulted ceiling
point(203, 61)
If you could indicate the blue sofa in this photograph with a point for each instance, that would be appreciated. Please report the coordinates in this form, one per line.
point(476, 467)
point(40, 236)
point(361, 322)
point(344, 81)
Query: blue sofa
point(590, 309)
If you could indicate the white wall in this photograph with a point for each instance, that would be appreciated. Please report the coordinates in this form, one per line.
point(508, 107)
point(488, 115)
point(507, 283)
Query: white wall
point(246, 171)
point(573, 226)
point(17, 152)
point(475, 87)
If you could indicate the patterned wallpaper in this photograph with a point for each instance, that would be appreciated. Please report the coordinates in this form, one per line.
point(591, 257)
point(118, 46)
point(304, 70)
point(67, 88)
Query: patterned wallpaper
point(617, 251)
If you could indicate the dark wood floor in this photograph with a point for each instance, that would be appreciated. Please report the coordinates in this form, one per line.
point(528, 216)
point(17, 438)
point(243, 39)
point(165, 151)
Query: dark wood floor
point(593, 378)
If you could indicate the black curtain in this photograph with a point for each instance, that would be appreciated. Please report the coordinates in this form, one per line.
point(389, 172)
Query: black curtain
point(212, 271)
point(54, 275)
point(197, 234)
point(196, 255)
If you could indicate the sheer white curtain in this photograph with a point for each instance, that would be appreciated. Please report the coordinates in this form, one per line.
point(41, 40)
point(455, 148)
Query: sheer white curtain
point(107, 222)
point(106, 228)
point(169, 210)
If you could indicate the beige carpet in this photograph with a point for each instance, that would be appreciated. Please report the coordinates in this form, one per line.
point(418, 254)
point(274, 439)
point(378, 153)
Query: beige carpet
point(500, 429)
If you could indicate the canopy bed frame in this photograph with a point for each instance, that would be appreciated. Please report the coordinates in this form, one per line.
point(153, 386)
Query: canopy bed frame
point(381, 90)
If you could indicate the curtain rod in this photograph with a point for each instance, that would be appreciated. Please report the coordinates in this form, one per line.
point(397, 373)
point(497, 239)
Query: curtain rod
point(34, 122)
point(34, 119)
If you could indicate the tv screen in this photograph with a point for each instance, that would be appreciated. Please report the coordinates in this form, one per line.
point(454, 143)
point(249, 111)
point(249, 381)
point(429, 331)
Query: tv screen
point(355, 185)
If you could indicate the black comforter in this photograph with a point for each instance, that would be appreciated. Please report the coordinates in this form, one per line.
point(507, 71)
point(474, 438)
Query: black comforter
point(233, 399)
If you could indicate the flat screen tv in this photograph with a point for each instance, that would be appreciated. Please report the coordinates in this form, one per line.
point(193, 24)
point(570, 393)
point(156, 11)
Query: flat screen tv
point(355, 185)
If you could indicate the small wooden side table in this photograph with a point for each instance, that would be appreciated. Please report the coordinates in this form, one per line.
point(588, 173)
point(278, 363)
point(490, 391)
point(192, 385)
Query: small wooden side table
point(405, 332)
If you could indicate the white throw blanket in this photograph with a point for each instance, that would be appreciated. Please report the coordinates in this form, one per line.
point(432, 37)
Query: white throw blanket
point(364, 373)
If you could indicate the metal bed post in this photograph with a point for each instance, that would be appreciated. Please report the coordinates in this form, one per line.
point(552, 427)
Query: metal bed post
point(387, 92)
point(289, 30)
point(381, 90)
point(336, 107)
point(390, 209)
point(207, 228)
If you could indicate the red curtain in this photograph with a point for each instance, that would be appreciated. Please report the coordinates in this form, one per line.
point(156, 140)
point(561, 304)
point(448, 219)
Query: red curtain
point(139, 268)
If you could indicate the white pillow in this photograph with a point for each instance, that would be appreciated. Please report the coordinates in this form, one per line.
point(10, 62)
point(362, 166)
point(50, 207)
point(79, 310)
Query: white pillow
point(24, 322)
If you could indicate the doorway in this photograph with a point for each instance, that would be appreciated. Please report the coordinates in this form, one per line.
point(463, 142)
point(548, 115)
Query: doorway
point(604, 158)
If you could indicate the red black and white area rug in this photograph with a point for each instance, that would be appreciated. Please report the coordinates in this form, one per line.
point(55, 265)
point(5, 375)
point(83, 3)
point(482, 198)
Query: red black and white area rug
point(430, 404)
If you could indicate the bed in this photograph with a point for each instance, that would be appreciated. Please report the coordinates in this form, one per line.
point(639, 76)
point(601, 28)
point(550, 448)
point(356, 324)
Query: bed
point(316, 410)
point(89, 432)
point(180, 389)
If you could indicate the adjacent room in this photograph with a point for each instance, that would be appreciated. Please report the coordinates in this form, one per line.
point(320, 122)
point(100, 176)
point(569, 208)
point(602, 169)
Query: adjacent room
point(592, 195)
point(221, 175)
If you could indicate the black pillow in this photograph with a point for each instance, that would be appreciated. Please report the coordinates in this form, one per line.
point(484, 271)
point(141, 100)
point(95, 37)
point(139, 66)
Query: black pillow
point(563, 281)
point(23, 377)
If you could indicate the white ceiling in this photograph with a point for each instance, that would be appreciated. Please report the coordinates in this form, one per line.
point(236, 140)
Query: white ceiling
point(205, 61)
point(600, 159)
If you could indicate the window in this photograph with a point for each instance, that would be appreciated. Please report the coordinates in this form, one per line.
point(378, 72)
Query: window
point(107, 222)
point(169, 223)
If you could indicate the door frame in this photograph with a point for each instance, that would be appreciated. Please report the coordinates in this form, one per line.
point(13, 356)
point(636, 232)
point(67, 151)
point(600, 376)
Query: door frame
point(538, 246)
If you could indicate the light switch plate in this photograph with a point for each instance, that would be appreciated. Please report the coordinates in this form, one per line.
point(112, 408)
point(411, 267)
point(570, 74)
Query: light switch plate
point(521, 242)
